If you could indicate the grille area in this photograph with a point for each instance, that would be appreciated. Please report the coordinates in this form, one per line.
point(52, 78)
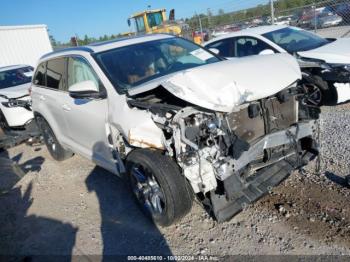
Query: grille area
point(269, 115)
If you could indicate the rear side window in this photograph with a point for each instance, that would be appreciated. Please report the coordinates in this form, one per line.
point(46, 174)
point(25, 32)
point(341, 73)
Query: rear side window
point(55, 73)
point(39, 78)
point(140, 25)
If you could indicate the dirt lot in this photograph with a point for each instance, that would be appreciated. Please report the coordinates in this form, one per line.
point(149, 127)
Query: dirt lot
point(74, 207)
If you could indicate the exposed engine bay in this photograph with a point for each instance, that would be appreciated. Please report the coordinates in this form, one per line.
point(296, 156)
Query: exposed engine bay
point(232, 159)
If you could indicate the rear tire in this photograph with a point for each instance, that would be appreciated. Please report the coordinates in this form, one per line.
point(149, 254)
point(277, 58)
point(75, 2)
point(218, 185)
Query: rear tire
point(160, 189)
point(56, 150)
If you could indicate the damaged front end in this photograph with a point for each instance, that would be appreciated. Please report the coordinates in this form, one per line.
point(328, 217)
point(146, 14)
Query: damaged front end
point(28, 131)
point(335, 85)
point(233, 158)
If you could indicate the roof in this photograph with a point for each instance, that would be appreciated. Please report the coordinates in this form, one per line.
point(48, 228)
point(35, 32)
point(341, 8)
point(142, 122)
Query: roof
point(15, 27)
point(5, 68)
point(103, 46)
point(259, 30)
point(147, 12)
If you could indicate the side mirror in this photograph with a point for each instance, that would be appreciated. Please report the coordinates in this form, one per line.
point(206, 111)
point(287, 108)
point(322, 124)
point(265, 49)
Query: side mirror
point(215, 51)
point(85, 89)
point(267, 52)
point(129, 22)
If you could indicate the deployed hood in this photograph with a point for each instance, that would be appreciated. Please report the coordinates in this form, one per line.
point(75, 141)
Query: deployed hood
point(222, 86)
point(337, 52)
point(15, 91)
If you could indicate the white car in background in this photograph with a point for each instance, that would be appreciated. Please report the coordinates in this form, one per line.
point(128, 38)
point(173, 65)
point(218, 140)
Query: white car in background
point(14, 96)
point(325, 63)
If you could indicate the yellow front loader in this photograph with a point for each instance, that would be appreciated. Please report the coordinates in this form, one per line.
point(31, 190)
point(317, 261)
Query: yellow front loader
point(155, 21)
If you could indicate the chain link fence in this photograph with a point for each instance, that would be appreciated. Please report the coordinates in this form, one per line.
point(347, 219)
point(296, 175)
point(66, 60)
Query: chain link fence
point(328, 18)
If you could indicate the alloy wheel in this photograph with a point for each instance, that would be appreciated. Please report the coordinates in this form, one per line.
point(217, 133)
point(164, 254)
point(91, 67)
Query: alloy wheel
point(147, 190)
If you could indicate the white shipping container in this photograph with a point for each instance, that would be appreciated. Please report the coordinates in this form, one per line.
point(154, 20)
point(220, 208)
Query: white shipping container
point(23, 44)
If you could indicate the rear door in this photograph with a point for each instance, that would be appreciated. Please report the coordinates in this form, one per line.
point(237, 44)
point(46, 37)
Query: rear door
point(49, 84)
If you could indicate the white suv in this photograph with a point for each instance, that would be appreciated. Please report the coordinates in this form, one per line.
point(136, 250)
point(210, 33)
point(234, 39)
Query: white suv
point(14, 84)
point(176, 120)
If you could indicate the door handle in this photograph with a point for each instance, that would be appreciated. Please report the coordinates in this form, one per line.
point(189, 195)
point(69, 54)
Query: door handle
point(42, 98)
point(66, 108)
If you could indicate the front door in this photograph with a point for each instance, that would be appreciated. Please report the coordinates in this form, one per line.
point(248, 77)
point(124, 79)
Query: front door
point(86, 118)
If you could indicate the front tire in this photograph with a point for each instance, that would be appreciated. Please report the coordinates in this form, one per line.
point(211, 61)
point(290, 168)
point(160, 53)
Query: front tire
point(160, 189)
point(319, 92)
point(56, 150)
point(4, 127)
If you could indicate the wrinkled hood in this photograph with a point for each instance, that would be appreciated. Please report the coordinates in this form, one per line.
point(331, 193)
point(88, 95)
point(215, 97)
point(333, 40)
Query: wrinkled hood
point(337, 52)
point(222, 86)
point(15, 91)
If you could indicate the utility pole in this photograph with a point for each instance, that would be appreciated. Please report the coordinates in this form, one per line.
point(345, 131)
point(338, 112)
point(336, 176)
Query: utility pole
point(272, 13)
point(200, 26)
point(209, 17)
point(315, 17)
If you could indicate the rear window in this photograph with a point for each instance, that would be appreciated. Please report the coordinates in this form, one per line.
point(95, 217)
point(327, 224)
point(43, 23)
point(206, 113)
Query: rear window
point(39, 78)
point(16, 77)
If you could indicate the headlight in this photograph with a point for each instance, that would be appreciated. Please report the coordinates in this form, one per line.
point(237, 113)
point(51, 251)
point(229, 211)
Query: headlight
point(312, 62)
point(340, 66)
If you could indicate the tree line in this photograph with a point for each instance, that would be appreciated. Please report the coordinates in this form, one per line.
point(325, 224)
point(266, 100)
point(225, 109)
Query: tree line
point(81, 41)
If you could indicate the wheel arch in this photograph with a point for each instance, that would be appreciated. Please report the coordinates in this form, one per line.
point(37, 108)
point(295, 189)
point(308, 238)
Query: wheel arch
point(52, 124)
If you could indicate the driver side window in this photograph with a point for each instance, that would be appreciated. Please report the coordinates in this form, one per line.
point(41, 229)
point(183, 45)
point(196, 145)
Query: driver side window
point(247, 46)
point(224, 46)
point(79, 70)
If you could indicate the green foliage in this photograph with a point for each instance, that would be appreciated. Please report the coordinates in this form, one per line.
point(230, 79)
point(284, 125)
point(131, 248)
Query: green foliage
point(84, 41)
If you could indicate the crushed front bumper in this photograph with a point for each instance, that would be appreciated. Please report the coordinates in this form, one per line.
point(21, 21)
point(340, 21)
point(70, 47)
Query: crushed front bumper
point(244, 193)
point(243, 187)
point(279, 138)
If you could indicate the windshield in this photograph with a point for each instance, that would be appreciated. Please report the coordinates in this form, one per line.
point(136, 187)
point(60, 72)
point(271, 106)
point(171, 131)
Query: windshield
point(155, 19)
point(132, 65)
point(295, 40)
point(16, 77)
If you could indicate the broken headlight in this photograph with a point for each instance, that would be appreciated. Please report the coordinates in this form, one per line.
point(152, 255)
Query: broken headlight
point(200, 127)
point(305, 62)
point(341, 66)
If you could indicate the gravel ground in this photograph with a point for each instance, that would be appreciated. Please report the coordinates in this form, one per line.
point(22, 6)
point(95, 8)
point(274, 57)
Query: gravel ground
point(74, 207)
